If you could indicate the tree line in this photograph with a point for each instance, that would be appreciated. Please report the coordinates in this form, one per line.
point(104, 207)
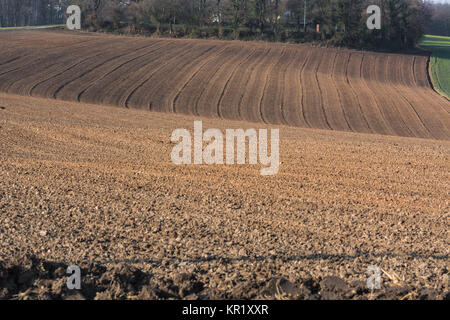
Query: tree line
point(19, 13)
point(439, 24)
point(334, 22)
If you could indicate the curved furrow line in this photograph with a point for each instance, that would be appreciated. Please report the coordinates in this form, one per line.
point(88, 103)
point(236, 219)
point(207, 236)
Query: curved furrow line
point(422, 68)
point(332, 106)
point(367, 72)
point(156, 93)
point(25, 84)
point(378, 81)
point(114, 75)
point(151, 91)
point(390, 98)
point(404, 90)
point(41, 61)
point(268, 114)
point(293, 91)
point(69, 95)
point(283, 82)
point(339, 88)
point(285, 86)
point(421, 72)
point(198, 84)
point(349, 100)
point(4, 81)
point(15, 56)
point(273, 102)
point(250, 104)
point(119, 66)
point(367, 105)
point(212, 97)
point(323, 117)
point(36, 68)
point(116, 84)
point(6, 72)
point(191, 76)
point(313, 97)
point(233, 95)
point(8, 51)
point(427, 108)
point(414, 72)
point(10, 60)
point(360, 122)
point(231, 76)
point(303, 86)
point(49, 78)
point(406, 68)
point(207, 78)
point(122, 90)
point(354, 80)
point(341, 104)
point(24, 59)
point(436, 117)
point(405, 112)
point(427, 133)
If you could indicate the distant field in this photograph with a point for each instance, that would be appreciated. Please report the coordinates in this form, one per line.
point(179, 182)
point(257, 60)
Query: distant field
point(440, 62)
point(272, 83)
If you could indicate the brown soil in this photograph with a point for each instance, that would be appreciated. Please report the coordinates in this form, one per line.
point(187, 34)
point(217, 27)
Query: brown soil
point(271, 83)
point(94, 186)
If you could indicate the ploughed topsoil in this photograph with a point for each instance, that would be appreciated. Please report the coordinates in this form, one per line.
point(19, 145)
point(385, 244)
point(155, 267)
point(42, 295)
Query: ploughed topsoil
point(289, 84)
point(95, 186)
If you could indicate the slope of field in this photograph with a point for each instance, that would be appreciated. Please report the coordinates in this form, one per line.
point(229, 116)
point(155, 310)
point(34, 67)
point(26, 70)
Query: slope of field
point(95, 186)
point(440, 61)
point(270, 83)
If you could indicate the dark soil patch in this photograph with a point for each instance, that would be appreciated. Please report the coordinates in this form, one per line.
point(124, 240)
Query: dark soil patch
point(30, 278)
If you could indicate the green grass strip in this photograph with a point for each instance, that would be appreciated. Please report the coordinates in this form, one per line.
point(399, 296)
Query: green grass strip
point(440, 61)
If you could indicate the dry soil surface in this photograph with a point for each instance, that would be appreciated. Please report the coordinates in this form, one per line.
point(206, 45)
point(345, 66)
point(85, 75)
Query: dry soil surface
point(95, 186)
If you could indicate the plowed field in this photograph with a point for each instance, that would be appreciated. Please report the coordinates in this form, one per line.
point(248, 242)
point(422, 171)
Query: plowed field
point(93, 185)
point(271, 83)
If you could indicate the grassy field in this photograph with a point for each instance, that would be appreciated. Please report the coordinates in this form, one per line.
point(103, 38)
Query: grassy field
point(440, 61)
point(33, 27)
